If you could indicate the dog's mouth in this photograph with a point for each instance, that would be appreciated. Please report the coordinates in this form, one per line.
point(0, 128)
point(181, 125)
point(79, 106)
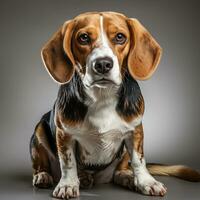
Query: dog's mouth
point(103, 81)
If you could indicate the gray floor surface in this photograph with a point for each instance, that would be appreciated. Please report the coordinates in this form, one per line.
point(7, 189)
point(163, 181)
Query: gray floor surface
point(18, 186)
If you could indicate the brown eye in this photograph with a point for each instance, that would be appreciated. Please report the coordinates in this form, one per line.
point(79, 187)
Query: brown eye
point(84, 39)
point(120, 38)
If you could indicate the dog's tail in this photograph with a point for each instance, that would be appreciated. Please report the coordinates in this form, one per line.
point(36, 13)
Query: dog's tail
point(178, 171)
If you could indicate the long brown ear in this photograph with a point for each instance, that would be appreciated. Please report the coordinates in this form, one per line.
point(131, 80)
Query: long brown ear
point(145, 52)
point(57, 55)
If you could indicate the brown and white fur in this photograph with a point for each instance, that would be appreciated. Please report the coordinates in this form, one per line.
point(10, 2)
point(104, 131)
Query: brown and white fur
point(95, 128)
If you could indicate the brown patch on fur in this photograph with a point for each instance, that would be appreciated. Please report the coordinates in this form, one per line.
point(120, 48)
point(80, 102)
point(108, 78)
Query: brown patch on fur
point(40, 133)
point(123, 165)
point(40, 151)
point(85, 24)
point(58, 122)
point(129, 118)
point(63, 140)
point(138, 137)
point(139, 108)
point(62, 120)
point(40, 160)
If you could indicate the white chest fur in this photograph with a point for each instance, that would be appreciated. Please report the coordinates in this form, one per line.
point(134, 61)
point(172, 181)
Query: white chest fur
point(102, 132)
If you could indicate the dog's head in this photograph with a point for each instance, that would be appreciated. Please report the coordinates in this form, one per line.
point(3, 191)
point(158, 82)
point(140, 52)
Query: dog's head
point(100, 46)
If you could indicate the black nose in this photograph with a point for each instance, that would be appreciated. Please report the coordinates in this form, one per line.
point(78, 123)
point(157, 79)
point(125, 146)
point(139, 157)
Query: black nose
point(103, 65)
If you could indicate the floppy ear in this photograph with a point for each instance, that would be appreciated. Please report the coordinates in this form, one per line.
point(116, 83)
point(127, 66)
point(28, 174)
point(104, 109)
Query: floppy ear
point(145, 52)
point(57, 55)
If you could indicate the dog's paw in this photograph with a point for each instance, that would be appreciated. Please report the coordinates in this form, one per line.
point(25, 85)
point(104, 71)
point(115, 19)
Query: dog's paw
point(66, 191)
point(42, 180)
point(124, 178)
point(147, 185)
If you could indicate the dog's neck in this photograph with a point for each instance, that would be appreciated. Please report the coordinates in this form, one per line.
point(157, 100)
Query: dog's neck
point(96, 94)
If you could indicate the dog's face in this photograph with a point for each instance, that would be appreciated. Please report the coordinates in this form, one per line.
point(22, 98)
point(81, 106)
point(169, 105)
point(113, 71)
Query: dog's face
point(100, 47)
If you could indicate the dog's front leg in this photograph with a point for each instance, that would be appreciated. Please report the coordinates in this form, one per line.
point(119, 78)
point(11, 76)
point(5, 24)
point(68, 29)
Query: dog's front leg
point(143, 181)
point(68, 185)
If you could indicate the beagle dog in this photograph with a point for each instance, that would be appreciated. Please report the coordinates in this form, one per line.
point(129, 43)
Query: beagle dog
point(94, 132)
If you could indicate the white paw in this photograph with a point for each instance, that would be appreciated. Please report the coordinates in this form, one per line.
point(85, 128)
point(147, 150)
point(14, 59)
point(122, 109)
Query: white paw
point(146, 184)
point(66, 190)
point(42, 180)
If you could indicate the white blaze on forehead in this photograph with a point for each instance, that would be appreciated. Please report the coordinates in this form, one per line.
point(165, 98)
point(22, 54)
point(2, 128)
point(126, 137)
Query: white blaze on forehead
point(103, 37)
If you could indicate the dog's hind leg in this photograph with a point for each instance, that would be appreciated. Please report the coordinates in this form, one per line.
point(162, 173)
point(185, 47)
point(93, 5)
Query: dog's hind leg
point(40, 156)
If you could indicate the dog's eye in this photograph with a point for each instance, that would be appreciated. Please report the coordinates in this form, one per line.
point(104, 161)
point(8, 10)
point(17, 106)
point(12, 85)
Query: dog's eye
point(120, 38)
point(84, 39)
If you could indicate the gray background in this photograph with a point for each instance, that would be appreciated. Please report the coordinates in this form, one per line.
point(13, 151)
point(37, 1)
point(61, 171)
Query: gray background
point(172, 95)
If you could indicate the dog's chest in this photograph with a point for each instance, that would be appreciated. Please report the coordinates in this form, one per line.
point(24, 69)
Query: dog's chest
point(101, 134)
point(103, 118)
